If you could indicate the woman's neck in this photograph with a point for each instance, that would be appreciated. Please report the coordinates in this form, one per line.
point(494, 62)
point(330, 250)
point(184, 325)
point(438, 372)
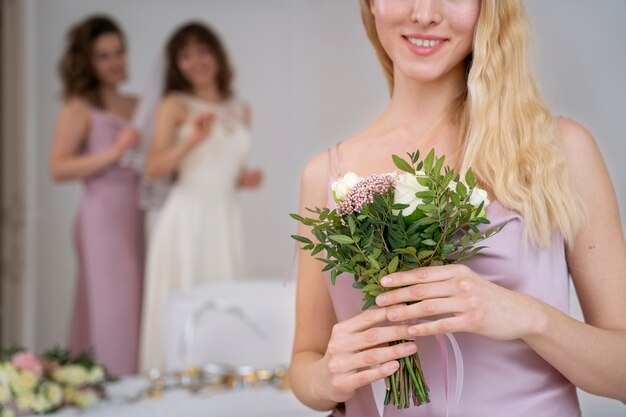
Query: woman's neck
point(109, 94)
point(419, 106)
point(208, 93)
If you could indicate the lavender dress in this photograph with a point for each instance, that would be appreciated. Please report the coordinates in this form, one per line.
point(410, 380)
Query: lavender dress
point(501, 378)
point(109, 239)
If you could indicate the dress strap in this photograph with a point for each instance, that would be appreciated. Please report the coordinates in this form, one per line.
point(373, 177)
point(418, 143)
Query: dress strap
point(333, 161)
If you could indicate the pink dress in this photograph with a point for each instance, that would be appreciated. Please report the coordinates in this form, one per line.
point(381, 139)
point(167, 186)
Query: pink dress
point(501, 378)
point(109, 237)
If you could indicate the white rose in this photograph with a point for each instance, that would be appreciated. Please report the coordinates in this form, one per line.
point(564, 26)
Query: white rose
point(41, 404)
point(343, 185)
point(25, 401)
point(75, 375)
point(96, 375)
point(404, 193)
point(53, 393)
point(5, 394)
point(7, 373)
point(24, 381)
point(477, 196)
point(85, 398)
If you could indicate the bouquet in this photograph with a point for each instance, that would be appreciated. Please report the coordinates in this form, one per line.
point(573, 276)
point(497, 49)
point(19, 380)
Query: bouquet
point(425, 215)
point(41, 384)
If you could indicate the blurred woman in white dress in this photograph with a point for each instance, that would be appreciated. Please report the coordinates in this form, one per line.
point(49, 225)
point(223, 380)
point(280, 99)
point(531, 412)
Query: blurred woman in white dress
point(201, 140)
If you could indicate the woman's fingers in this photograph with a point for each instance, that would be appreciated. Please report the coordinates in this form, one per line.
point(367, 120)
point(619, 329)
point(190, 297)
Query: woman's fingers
point(351, 382)
point(425, 274)
point(446, 325)
point(371, 357)
point(428, 308)
point(417, 292)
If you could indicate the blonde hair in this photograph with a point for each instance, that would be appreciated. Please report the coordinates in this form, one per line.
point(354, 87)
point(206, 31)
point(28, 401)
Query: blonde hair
point(508, 134)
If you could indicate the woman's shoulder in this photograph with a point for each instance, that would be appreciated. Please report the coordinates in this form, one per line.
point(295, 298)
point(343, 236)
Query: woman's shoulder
point(577, 142)
point(173, 104)
point(76, 107)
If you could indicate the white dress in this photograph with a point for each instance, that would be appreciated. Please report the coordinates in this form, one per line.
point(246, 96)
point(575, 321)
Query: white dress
point(197, 237)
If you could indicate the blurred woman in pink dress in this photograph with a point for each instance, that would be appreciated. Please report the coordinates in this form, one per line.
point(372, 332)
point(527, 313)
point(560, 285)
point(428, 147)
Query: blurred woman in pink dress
point(92, 134)
point(460, 82)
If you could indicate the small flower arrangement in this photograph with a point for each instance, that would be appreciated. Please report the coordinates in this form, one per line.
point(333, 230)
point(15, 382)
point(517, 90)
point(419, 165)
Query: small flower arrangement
point(424, 216)
point(42, 384)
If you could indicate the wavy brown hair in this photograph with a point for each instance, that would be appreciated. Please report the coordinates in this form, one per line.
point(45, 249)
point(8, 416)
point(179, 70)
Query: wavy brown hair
point(75, 68)
point(197, 32)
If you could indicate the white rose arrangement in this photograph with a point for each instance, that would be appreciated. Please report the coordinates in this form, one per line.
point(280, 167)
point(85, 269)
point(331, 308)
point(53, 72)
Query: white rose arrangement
point(32, 384)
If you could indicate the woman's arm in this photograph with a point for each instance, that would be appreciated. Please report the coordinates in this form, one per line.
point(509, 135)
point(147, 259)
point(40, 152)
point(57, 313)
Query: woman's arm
point(166, 154)
point(73, 124)
point(591, 355)
point(331, 360)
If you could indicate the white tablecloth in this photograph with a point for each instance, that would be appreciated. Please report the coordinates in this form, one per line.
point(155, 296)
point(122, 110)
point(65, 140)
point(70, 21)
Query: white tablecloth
point(261, 402)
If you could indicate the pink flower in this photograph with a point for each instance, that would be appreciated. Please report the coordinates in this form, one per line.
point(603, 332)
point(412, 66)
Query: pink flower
point(363, 193)
point(28, 362)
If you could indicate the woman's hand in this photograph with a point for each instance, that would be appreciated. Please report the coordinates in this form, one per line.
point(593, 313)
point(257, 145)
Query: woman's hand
point(201, 127)
point(358, 354)
point(250, 178)
point(127, 138)
point(468, 302)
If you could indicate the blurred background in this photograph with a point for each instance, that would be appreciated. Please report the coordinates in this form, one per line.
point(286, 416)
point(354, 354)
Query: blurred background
point(312, 79)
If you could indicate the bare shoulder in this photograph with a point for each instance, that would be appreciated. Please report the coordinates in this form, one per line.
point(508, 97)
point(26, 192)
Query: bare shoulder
point(76, 106)
point(173, 106)
point(314, 180)
point(582, 154)
point(578, 143)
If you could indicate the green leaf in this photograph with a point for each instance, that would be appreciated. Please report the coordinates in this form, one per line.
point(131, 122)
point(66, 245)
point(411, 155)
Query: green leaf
point(429, 160)
point(297, 217)
point(439, 164)
point(425, 194)
point(351, 224)
point(374, 262)
point(333, 276)
point(318, 249)
point(423, 181)
point(369, 301)
point(341, 239)
point(469, 178)
point(424, 254)
point(393, 265)
point(429, 242)
point(358, 285)
point(402, 164)
point(371, 287)
point(302, 239)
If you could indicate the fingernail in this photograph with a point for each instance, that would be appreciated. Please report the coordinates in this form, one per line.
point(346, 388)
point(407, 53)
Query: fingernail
point(381, 299)
point(392, 315)
point(409, 348)
point(385, 281)
point(393, 366)
point(413, 331)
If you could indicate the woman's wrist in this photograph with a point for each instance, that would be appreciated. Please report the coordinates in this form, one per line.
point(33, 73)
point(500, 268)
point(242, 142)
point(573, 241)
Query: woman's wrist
point(537, 320)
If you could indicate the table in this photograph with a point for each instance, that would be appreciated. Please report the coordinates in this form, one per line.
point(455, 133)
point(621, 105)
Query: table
point(258, 402)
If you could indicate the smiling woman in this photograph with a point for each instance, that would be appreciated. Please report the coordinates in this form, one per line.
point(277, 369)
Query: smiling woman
point(460, 83)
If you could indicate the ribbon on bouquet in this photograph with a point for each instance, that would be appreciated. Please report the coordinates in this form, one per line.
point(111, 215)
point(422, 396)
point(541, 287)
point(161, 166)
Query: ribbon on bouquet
point(379, 388)
point(189, 334)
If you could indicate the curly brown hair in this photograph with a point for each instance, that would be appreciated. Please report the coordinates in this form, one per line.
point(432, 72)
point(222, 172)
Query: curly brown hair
point(197, 32)
point(75, 67)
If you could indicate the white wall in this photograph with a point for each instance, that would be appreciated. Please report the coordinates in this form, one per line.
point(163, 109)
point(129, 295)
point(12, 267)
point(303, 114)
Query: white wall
point(312, 79)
